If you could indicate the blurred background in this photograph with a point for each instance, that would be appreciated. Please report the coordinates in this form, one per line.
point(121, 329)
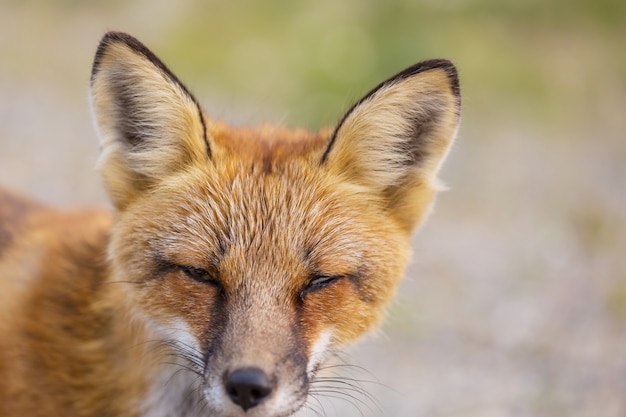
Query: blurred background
point(515, 303)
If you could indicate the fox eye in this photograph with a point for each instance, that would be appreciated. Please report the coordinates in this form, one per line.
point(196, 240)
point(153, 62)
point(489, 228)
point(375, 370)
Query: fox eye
point(318, 282)
point(200, 275)
point(195, 273)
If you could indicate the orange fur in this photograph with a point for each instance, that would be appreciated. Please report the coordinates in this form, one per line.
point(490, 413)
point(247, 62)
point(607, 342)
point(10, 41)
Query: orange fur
point(235, 259)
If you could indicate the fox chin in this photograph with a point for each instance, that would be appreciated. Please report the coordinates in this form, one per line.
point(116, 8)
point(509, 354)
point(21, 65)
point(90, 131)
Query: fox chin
point(234, 261)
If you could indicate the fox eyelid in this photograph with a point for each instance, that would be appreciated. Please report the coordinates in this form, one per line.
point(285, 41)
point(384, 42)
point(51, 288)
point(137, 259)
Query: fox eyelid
point(318, 282)
point(193, 272)
point(200, 275)
point(321, 281)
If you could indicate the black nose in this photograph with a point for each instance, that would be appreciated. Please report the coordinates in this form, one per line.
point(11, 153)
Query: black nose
point(248, 387)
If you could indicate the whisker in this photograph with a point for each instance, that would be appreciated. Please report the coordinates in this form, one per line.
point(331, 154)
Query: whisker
point(195, 392)
point(201, 400)
point(309, 407)
point(184, 367)
point(348, 384)
point(350, 388)
point(352, 400)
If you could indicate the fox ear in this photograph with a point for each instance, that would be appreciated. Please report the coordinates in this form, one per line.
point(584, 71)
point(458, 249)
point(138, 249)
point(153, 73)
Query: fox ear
point(394, 140)
point(150, 126)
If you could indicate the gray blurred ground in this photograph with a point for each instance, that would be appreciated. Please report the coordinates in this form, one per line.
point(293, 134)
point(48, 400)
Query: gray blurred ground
point(515, 303)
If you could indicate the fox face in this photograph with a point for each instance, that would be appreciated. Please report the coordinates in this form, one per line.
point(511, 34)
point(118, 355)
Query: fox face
point(251, 254)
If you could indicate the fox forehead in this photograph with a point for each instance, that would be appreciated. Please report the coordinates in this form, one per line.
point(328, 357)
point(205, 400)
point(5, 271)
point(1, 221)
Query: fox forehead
point(240, 212)
point(267, 144)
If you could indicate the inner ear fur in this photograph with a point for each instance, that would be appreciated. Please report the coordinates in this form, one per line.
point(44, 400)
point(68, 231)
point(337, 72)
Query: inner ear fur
point(394, 139)
point(149, 124)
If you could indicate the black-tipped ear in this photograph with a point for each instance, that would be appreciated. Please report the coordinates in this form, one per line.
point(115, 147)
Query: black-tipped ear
point(394, 140)
point(150, 125)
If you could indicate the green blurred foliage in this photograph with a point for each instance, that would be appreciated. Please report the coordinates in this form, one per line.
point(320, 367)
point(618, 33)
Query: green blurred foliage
point(306, 55)
point(311, 59)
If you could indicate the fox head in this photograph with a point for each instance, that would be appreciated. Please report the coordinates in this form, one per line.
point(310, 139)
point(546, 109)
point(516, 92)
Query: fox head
point(254, 252)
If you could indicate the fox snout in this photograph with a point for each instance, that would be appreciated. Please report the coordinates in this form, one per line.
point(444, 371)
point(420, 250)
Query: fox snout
point(258, 362)
point(245, 388)
point(248, 387)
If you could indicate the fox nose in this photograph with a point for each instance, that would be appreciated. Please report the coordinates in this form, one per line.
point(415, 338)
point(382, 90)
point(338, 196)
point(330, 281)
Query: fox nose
point(248, 387)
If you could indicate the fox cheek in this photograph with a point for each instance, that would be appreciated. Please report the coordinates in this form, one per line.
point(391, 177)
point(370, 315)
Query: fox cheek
point(319, 351)
point(173, 302)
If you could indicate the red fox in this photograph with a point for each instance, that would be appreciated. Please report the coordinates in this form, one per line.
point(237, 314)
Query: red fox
point(236, 260)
